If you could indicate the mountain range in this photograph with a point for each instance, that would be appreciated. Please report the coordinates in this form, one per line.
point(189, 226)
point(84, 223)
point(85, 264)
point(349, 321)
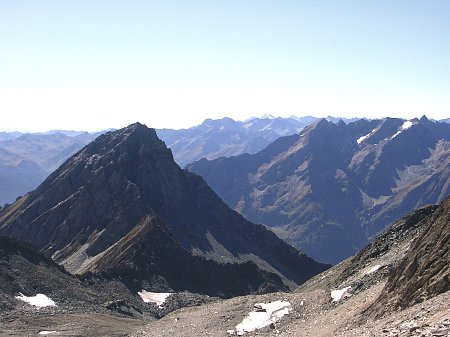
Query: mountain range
point(227, 137)
point(122, 208)
point(333, 187)
point(124, 217)
point(27, 159)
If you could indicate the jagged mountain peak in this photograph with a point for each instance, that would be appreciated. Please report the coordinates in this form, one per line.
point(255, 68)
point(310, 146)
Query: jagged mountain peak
point(127, 137)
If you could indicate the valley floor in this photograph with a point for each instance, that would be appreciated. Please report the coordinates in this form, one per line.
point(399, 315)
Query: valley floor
point(313, 315)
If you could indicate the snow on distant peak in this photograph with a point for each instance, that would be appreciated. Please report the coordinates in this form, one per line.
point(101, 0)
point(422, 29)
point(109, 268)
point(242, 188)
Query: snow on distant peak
point(264, 315)
point(40, 300)
point(247, 125)
point(365, 137)
point(157, 298)
point(268, 116)
point(266, 128)
point(340, 294)
point(406, 125)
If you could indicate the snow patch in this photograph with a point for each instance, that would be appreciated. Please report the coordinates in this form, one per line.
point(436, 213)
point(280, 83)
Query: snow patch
point(268, 127)
point(406, 125)
point(40, 300)
point(264, 315)
point(363, 138)
point(157, 298)
point(268, 116)
point(374, 269)
point(339, 294)
point(248, 125)
point(46, 332)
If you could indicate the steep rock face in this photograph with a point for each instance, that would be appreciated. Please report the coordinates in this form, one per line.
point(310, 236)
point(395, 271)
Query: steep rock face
point(99, 196)
point(149, 255)
point(425, 270)
point(331, 188)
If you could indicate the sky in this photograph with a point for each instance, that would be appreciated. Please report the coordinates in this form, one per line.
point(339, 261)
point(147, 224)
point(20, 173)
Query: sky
point(98, 64)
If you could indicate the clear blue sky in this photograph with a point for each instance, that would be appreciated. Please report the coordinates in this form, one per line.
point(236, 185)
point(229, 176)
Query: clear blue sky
point(98, 64)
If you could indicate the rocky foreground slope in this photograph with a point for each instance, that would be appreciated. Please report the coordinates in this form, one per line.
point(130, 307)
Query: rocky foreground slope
point(359, 287)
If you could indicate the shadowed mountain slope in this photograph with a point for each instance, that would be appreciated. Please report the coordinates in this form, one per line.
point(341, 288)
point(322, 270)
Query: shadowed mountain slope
point(24, 270)
point(124, 187)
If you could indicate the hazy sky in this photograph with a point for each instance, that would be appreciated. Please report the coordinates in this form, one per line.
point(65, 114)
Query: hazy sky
point(94, 64)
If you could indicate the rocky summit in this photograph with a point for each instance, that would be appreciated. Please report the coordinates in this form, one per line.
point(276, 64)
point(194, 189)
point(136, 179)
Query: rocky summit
point(332, 188)
point(121, 207)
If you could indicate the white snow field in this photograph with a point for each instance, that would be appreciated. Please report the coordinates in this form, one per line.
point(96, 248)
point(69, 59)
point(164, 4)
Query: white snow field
point(265, 314)
point(406, 125)
point(339, 294)
point(40, 300)
point(149, 297)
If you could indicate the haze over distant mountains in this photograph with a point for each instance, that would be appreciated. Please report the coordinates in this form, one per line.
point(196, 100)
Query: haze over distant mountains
point(333, 187)
point(226, 137)
point(26, 159)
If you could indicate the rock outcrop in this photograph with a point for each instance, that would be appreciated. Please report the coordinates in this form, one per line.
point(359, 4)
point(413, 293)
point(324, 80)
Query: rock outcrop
point(424, 272)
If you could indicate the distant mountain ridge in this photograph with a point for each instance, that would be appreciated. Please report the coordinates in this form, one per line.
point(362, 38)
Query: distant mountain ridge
point(331, 188)
point(226, 137)
point(121, 206)
point(26, 159)
point(45, 151)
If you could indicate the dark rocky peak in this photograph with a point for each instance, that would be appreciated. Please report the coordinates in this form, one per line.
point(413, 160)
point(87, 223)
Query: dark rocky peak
point(341, 123)
point(385, 129)
point(326, 129)
point(439, 130)
point(327, 142)
point(321, 123)
point(363, 127)
point(134, 137)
